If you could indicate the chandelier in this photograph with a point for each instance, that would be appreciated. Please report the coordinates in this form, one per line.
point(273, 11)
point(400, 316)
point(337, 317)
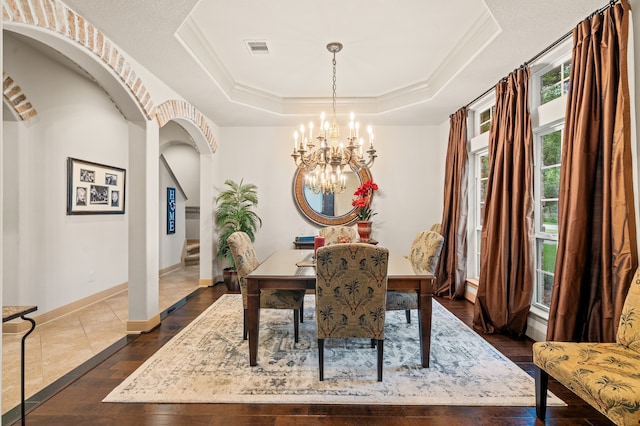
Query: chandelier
point(325, 163)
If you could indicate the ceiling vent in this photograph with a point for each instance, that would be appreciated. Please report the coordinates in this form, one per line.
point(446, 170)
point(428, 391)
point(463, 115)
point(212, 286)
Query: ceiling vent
point(257, 47)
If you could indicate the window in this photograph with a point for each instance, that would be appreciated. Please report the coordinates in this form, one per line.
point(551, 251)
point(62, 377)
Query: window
point(548, 149)
point(549, 87)
point(555, 83)
point(481, 170)
point(478, 176)
point(485, 120)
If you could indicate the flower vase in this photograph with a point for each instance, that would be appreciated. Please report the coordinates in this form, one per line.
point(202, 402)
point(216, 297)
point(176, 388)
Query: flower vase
point(364, 229)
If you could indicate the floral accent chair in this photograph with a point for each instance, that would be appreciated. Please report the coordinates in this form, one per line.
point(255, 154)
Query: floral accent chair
point(436, 227)
point(606, 375)
point(351, 289)
point(337, 234)
point(244, 255)
point(424, 254)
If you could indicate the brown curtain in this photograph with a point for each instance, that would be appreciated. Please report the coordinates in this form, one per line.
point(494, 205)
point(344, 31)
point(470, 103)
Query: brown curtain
point(597, 253)
point(451, 272)
point(506, 257)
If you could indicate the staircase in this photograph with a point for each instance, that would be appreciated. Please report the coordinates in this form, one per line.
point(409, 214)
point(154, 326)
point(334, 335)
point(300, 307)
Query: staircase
point(191, 252)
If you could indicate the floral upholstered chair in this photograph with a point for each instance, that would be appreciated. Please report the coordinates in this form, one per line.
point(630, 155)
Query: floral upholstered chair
point(337, 234)
point(606, 375)
point(244, 255)
point(424, 255)
point(436, 227)
point(351, 289)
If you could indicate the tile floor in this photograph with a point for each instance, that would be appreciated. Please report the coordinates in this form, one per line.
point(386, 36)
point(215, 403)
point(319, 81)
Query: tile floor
point(58, 347)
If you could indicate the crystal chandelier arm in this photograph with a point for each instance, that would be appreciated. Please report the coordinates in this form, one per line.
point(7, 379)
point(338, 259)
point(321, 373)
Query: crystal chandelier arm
point(303, 161)
point(372, 156)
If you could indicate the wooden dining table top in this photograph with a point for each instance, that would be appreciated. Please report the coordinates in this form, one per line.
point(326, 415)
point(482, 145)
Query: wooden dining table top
point(284, 264)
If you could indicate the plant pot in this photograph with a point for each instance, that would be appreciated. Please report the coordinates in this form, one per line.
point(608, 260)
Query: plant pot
point(364, 229)
point(230, 277)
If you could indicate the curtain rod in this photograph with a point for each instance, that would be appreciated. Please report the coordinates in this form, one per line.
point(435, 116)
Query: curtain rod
point(545, 50)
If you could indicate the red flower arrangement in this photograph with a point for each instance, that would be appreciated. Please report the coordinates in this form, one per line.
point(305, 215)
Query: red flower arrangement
point(363, 202)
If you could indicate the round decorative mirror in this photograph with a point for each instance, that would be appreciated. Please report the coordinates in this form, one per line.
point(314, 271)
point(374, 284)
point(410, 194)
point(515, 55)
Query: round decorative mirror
point(329, 209)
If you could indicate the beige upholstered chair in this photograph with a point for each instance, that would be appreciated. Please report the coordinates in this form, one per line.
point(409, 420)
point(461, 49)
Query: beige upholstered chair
point(436, 227)
point(424, 255)
point(337, 234)
point(605, 375)
point(246, 261)
point(351, 289)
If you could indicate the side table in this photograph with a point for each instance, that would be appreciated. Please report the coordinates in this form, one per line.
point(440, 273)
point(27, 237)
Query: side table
point(9, 313)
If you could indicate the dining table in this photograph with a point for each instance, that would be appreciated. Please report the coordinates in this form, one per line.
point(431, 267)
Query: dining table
point(294, 269)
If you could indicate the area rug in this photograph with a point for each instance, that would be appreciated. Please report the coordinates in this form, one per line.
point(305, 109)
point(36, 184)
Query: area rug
point(208, 362)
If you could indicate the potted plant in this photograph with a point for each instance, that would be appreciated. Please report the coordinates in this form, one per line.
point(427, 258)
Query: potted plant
point(235, 212)
point(364, 211)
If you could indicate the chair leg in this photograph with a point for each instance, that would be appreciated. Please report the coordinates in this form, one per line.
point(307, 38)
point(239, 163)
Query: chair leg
point(296, 319)
point(321, 358)
point(380, 351)
point(408, 313)
point(245, 326)
point(542, 384)
point(373, 343)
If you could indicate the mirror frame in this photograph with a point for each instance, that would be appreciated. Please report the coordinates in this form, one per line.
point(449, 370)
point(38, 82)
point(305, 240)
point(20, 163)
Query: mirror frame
point(320, 219)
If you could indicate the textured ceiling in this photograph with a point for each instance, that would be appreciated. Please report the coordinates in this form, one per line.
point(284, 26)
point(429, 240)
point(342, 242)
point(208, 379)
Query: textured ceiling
point(407, 62)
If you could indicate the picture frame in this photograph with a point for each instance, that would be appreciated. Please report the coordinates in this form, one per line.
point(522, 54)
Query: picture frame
point(94, 188)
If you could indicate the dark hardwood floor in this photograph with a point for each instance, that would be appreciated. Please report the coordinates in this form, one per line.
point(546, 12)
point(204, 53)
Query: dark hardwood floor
point(77, 401)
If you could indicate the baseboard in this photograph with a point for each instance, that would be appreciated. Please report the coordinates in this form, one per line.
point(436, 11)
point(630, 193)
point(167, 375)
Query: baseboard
point(205, 282)
point(16, 326)
point(20, 326)
point(471, 289)
point(536, 323)
point(170, 268)
point(143, 326)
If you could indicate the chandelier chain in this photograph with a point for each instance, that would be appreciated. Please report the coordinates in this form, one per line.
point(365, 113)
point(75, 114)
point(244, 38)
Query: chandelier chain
point(334, 85)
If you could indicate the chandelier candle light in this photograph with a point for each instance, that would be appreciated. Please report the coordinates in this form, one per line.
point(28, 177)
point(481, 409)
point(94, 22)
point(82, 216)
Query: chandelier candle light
point(325, 164)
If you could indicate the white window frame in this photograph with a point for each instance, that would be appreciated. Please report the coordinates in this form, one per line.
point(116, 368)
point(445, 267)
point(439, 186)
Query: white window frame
point(478, 211)
point(479, 123)
point(539, 234)
point(486, 103)
point(545, 70)
point(546, 118)
point(556, 56)
point(478, 145)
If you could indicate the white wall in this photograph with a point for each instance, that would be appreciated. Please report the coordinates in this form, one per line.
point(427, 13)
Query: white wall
point(408, 171)
point(12, 264)
point(60, 258)
point(183, 159)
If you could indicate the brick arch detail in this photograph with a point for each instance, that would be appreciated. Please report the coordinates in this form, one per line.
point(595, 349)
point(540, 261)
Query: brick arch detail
point(16, 98)
point(172, 109)
point(58, 17)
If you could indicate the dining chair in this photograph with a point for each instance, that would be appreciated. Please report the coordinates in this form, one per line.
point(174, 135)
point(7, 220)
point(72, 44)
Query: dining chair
point(424, 255)
point(246, 260)
point(337, 234)
point(351, 289)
